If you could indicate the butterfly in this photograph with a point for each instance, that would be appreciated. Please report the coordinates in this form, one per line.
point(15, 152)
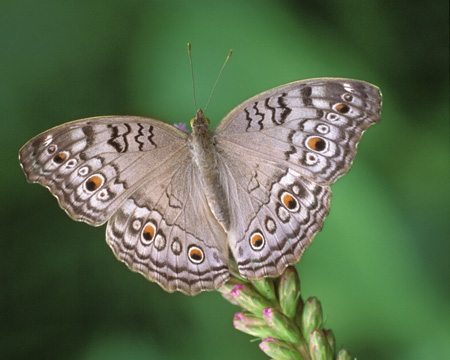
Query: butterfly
point(179, 205)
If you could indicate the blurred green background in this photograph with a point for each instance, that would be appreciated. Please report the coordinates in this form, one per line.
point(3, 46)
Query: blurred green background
point(381, 264)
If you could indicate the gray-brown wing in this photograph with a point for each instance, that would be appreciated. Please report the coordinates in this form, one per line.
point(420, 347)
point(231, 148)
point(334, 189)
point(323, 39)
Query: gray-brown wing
point(91, 166)
point(279, 152)
point(311, 126)
point(166, 232)
point(275, 213)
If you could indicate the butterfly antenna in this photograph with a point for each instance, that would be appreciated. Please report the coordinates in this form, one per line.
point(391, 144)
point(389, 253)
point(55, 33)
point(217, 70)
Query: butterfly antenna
point(192, 75)
point(218, 77)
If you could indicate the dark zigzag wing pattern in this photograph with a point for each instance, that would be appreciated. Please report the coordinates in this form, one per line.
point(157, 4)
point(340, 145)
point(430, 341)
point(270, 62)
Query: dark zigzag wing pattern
point(311, 126)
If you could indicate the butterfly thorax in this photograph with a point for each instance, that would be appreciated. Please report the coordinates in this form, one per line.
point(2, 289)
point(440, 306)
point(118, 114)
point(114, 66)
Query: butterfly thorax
point(206, 160)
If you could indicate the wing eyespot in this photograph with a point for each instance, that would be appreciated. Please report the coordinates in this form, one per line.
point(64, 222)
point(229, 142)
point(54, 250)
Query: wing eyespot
point(52, 149)
point(316, 143)
point(83, 171)
point(148, 233)
point(71, 163)
point(289, 202)
point(176, 246)
point(342, 108)
point(60, 157)
point(347, 97)
point(257, 241)
point(195, 255)
point(94, 183)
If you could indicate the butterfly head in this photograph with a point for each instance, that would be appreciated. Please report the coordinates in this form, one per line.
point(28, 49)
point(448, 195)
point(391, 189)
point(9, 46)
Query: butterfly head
point(200, 123)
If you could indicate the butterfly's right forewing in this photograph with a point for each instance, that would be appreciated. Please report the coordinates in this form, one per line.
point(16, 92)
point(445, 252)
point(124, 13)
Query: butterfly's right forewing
point(312, 126)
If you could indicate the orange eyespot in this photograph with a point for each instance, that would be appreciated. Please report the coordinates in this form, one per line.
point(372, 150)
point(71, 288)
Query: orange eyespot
point(342, 108)
point(257, 241)
point(148, 233)
point(316, 143)
point(289, 201)
point(60, 158)
point(195, 254)
point(93, 183)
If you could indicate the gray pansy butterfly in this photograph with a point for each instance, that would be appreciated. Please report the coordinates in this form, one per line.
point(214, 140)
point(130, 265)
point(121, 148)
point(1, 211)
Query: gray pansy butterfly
point(178, 203)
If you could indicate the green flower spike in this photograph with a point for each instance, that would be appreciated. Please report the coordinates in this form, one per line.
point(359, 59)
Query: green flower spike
point(319, 347)
point(288, 327)
point(279, 350)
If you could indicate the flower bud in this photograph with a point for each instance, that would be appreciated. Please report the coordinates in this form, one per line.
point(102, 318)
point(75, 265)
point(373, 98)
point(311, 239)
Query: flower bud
point(226, 289)
point(283, 327)
point(331, 340)
point(249, 299)
point(265, 288)
point(289, 291)
point(311, 317)
point(319, 347)
point(299, 313)
point(252, 325)
point(279, 349)
point(343, 355)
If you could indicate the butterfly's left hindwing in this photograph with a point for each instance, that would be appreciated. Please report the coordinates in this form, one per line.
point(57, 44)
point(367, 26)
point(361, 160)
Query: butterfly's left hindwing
point(166, 232)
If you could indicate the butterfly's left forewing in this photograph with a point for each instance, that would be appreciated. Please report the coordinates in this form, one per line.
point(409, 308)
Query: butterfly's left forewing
point(91, 166)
